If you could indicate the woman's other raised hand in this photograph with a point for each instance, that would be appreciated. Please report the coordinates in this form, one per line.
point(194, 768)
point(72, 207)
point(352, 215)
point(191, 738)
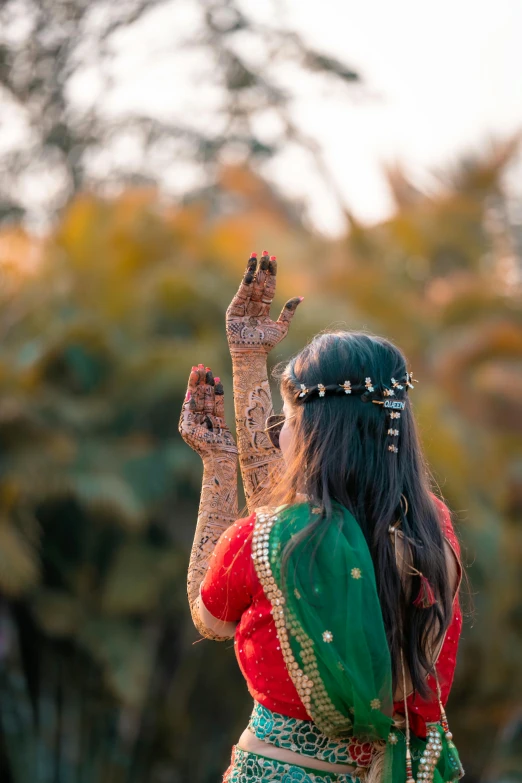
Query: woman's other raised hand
point(248, 323)
point(202, 422)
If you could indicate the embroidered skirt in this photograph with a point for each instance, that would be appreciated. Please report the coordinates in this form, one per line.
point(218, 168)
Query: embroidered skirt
point(301, 736)
point(248, 767)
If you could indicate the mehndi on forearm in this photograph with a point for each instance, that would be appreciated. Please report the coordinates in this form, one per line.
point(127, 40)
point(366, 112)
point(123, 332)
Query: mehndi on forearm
point(261, 464)
point(217, 510)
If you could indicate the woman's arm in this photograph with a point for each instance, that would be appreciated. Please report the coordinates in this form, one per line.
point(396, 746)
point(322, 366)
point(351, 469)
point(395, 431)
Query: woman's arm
point(251, 335)
point(202, 425)
point(222, 629)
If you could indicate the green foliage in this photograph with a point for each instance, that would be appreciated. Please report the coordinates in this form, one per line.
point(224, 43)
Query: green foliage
point(98, 494)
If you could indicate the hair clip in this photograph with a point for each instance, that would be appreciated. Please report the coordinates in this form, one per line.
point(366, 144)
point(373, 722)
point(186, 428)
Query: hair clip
point(409, 378)
point(395, 415)
point(396, 384)
point(347, 386)
point(400, 404)
point(304, 390)
point(391, 447)
point(388, 392)
point(322, 389)
point(393, 432)
point(368, 384)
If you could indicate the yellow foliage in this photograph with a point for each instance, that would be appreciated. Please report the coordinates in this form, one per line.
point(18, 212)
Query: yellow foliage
point(132, 292)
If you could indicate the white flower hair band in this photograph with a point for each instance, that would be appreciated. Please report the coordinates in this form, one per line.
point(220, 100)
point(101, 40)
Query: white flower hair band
point(392, 406)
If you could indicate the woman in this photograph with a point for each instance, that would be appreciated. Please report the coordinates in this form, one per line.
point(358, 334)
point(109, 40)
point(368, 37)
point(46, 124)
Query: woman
point(340, 588)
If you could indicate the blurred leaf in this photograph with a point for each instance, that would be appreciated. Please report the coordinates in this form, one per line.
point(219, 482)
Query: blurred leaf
point(57, 613)
point(325, 63)
point(19, 568)
point(126, 654)
point(137, 578)
point(107, 490)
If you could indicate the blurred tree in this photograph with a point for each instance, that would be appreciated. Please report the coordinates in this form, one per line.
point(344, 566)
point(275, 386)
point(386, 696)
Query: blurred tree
point(47, 48)
point(98, 494)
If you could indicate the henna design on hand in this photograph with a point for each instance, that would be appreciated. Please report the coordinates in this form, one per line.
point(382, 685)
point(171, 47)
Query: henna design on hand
point(260, 462)
point(202, 425)
point(202, 422)
point(248, 323)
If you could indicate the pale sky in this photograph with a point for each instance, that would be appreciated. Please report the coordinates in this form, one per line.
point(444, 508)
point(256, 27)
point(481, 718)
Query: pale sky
point(442, 79)
point(451, 75)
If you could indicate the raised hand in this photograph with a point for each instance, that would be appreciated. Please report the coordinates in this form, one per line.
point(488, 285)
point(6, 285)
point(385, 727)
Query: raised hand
point(202, 422)
point(248, 323)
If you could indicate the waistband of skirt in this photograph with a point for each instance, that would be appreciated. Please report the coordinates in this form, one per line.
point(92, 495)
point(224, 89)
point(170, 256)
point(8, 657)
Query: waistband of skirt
point(304, 736)
point(246, 765)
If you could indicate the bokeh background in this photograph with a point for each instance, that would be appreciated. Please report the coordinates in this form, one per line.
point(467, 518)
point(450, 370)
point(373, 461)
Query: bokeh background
point(146, 147)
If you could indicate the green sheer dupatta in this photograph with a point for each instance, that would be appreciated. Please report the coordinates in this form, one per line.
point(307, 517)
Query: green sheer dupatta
point(330, 626)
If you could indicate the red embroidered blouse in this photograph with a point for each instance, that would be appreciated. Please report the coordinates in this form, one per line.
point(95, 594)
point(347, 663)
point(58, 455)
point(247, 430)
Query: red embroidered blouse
point(238, 596)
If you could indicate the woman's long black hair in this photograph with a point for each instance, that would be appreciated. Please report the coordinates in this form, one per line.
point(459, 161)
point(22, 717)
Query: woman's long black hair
point(340, 452)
